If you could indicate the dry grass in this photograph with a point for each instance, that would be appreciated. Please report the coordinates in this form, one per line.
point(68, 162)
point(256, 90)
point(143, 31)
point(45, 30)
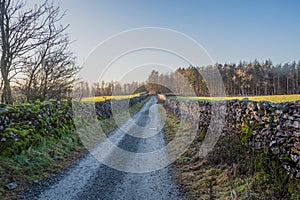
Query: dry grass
point(270, 98)
point(104, 98)
point(202, 179)
point(230, 171)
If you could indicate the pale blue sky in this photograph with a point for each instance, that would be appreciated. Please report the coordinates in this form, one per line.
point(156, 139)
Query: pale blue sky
point(230, 30)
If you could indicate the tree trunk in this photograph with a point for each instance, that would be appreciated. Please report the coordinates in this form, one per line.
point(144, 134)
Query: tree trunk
point(6, 95)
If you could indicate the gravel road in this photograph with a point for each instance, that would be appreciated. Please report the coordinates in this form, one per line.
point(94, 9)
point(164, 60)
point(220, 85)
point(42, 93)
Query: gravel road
point(90, 179)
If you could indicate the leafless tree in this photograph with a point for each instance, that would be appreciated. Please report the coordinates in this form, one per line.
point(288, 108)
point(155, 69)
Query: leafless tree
point(23, 32)
point(51, 72)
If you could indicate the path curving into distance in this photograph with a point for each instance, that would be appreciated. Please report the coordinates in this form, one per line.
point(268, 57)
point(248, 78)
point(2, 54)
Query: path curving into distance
point(89, 179)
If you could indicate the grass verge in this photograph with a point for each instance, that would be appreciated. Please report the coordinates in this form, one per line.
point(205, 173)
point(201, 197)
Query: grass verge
point(48, 157)
point(270, 98)
point(231, 171)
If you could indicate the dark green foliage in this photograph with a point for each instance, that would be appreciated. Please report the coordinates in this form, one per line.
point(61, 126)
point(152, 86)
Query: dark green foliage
point(272, 179)
point(246, 131)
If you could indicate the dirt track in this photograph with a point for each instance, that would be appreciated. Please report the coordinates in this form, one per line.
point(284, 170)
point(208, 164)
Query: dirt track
point(90, 179)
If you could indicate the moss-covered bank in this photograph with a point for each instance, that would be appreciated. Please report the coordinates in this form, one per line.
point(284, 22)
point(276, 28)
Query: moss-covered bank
point(48, 142)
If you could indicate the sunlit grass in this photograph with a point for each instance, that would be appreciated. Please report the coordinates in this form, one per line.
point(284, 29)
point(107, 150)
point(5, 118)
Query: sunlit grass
point(104, 98)
point(270, 98)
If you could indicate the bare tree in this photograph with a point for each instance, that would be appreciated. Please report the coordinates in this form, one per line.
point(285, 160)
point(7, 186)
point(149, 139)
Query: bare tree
point(51, 71)
point(22, 32)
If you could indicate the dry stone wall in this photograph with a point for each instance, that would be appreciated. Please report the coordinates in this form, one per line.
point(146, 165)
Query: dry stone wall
point(269, 126)
point(26, 124)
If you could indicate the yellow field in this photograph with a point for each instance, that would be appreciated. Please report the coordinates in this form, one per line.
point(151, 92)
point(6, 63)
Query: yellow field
point(104, 98)
point(271, 98)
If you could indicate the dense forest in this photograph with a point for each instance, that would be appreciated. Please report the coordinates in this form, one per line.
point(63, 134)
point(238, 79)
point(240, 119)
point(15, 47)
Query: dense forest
point(253, 78)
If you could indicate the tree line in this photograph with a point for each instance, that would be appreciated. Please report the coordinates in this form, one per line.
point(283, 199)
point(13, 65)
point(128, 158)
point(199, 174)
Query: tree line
point(85, 89)
point(35, 62)
point(245, 78)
